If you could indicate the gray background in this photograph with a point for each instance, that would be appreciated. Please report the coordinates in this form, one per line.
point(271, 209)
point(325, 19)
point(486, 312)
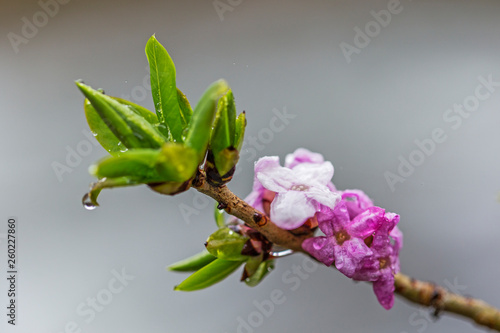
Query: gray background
point(361, 115)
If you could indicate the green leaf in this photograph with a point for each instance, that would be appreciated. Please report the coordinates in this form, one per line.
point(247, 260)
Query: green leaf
point(227, 136)
point(260, 273)
point(90, 199)
point(200, 127)
point(239, 131)
point(186, 109)
point(252, 265)
point(193, 263)
point(220, 219)
point(101, 131)
point(137, 164)
point(173, 162)
point(226, 244)
point(131, 129)
point(209, 275)
point(164, 90)
point(226, 159)
point(222, 136)
point(177, 162)
point(231, 114)
point(139, 110)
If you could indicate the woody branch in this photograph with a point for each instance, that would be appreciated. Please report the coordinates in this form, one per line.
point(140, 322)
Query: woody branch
point(418, 292)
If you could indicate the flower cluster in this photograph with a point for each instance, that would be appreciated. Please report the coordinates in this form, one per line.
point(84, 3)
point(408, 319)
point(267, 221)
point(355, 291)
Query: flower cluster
point(362, 240)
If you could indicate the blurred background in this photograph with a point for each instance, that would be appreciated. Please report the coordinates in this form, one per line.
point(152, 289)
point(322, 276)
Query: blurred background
point(402, 96)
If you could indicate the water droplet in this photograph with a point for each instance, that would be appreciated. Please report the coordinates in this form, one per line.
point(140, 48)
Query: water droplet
point(299, 187)
point(87, 203)
point(122, 147)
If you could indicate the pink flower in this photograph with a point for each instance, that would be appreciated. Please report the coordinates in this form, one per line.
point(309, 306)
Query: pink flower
point(357, 201)
point(344, 239)
point(257, 198)
point(397, 243)
point(361, 239)
point(365, 248)
point(299, 190)
point(384, 263)
point(302, 155)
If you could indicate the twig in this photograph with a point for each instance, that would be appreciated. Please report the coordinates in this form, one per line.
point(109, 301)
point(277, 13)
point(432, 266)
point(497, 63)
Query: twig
point(253, 218)
point(419, 292)
point(442, 300)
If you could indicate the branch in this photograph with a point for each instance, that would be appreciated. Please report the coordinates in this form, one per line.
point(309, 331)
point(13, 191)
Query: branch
point(252, 217)
point(419, 292)
point(428, 294)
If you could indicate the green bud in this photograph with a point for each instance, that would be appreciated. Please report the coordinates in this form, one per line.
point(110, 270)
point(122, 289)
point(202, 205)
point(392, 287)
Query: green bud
point(224, 143)
point(259, 273)
point(226, 244)
point(239, 130)
point(219, 216)
point(193, 263)
point(200, 126)
point(209, 275)
point(226, 161)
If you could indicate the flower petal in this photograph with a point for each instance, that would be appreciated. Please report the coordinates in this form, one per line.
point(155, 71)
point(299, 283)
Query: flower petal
point(302, 155)
point(273, 176)
point(381, 241)
point(320, 248)
point(368, 270)
point(323, 195)
point(331, 221)
point(397, 236)
point(313, 174)
point(367, 222)
point(349, 255)
point(289, 210)
point(255, 197)
point(384, 290)
point(357, 201)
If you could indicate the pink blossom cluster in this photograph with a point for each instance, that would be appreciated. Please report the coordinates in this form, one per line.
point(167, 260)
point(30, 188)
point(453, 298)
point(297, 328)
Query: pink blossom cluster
point(362, 240)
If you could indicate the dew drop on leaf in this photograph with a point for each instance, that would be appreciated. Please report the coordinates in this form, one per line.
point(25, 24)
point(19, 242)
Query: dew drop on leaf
point(87, 203)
